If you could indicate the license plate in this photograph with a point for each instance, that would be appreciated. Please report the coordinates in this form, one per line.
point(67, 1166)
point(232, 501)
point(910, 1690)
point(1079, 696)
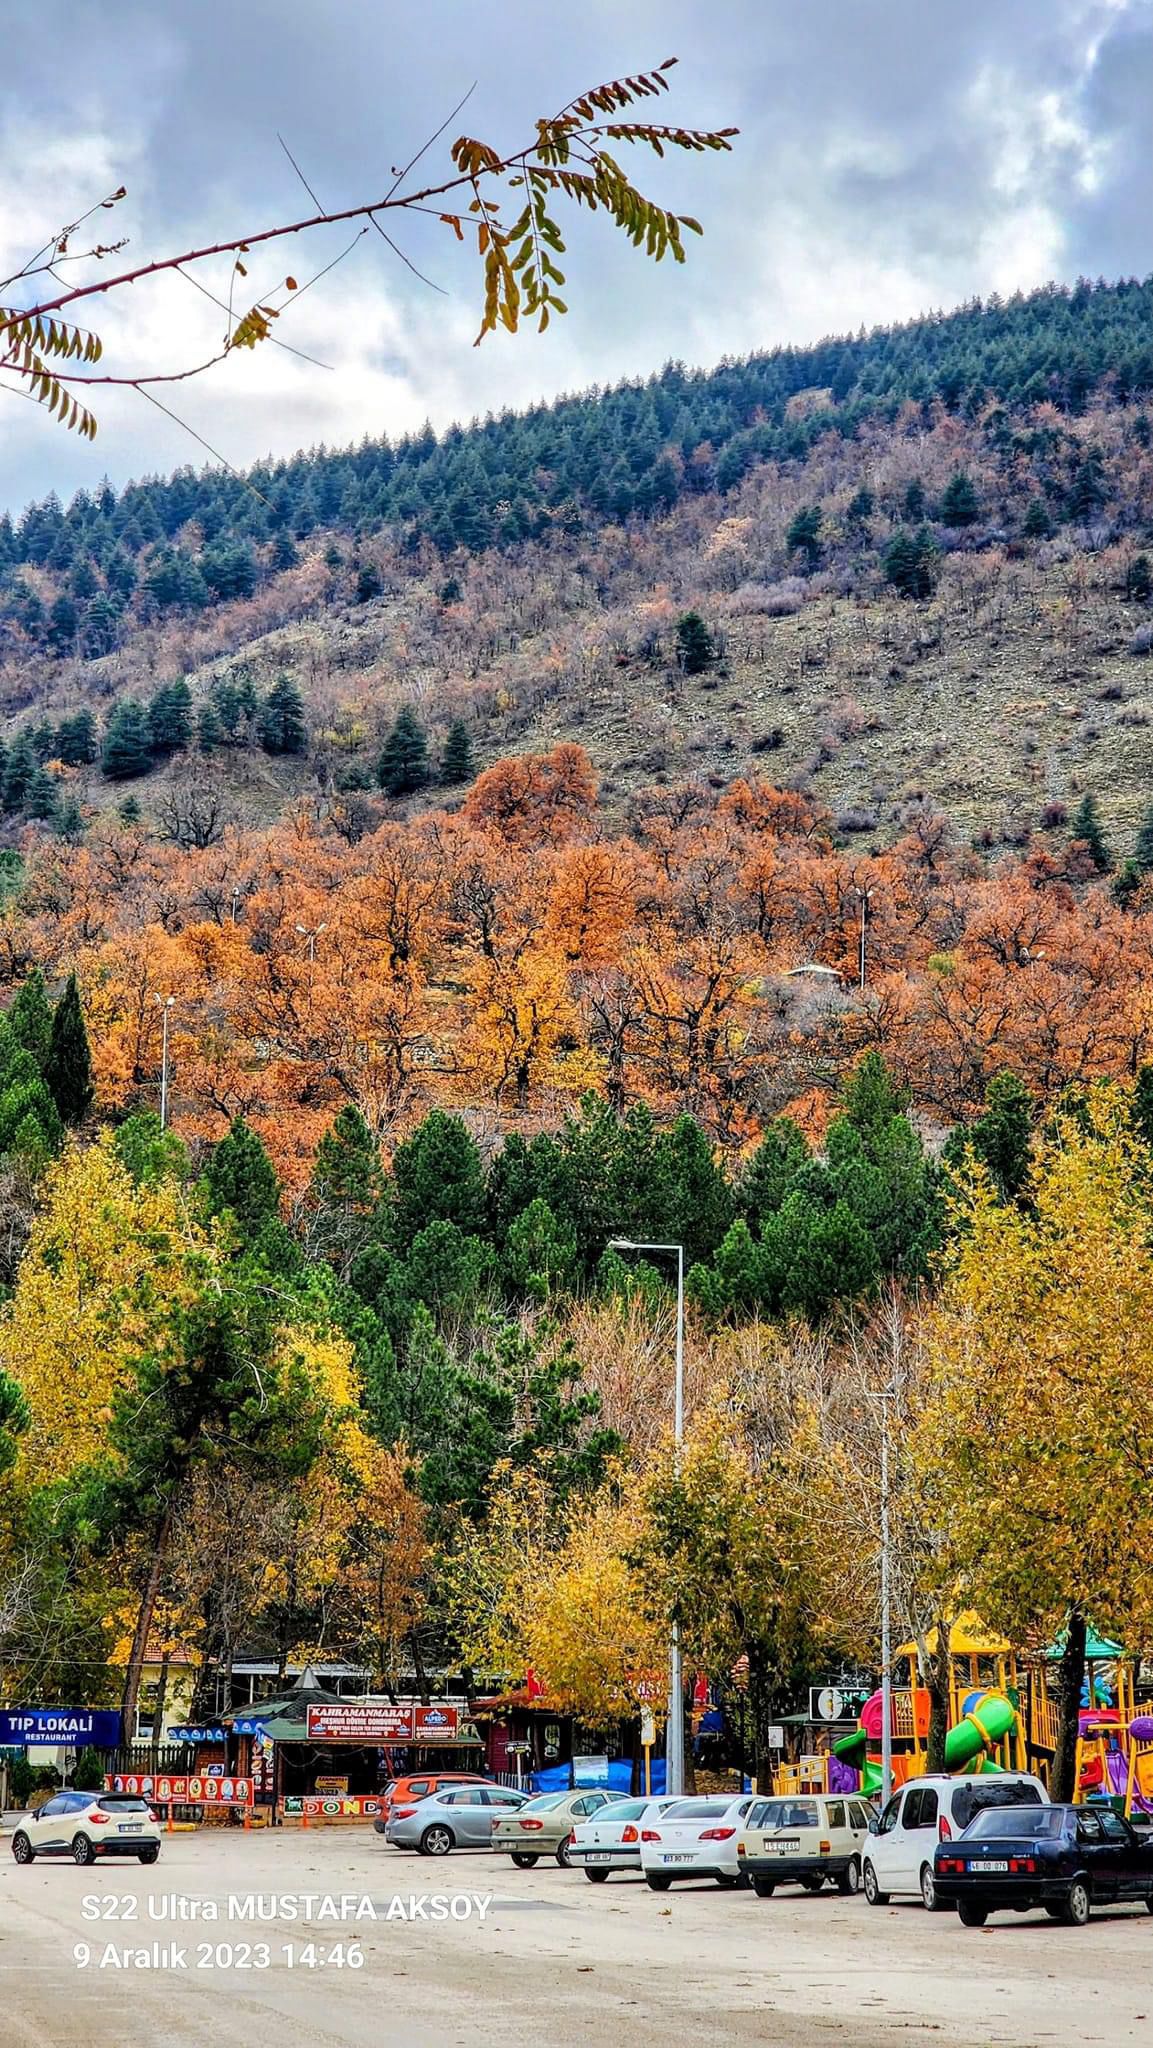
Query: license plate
point(786, 1848)
point(686, 1858)
point(981, 1867)
point(598, 1856)
point(132, 1827)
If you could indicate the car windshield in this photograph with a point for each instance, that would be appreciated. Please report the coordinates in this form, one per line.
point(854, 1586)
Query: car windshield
point(546, 1802)
point(123, 1805)
point(1017, 1820)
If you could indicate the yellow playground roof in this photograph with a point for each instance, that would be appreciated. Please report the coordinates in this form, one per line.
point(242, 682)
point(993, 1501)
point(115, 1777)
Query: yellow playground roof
point(968, 1637)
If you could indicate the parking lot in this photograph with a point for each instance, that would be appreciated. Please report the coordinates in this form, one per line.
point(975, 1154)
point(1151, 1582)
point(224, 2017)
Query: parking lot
point(554, 1959)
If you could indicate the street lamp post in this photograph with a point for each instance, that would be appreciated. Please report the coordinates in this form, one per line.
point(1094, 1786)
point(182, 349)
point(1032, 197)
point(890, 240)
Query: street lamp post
point(864, 895)
point(165, 1003)
point(312, 937)
point(675, 1726)
point(886, 1616)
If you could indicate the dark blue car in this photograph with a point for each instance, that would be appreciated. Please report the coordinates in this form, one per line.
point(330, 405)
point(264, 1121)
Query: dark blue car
point(1064, 1858)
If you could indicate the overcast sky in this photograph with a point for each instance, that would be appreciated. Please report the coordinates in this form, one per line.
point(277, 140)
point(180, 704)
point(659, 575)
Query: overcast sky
point(895, 156)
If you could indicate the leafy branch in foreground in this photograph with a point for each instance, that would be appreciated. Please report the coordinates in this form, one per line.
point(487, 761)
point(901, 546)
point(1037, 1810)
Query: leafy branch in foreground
point(568, 160)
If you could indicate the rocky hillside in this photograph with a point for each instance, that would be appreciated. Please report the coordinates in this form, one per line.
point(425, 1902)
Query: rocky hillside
point(908, 564)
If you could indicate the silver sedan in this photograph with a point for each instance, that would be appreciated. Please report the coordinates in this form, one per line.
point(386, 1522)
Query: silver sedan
point(461, 1817)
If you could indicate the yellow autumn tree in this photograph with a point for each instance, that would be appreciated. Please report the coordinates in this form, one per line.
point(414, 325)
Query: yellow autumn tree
point(586, 1630)
point(1037, 1433)
point(106, 1262)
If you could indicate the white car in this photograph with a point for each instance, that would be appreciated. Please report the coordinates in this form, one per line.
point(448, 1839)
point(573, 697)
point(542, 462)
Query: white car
point(88, 1825)
point(695, 1838)
point(898, 1854)
point(611, 1839)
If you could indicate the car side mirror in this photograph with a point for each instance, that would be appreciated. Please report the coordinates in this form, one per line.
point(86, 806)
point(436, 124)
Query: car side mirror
point(874, 1826)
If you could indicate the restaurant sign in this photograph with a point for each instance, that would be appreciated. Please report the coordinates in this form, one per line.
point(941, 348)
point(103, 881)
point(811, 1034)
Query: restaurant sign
point(166, 1790)
point(405, 1721)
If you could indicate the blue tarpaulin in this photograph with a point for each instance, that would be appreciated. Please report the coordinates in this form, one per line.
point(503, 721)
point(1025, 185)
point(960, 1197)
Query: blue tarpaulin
point(615, 1777)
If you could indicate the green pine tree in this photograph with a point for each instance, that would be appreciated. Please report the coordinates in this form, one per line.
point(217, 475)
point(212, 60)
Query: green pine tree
point(1000, 1137)
point(804, 534)
point(127, 750)
point(1143, 850)
point(241, 1179)
point(282, 729)
point(40, 796)
point(696, 647)
point(19, 768)
point(1086, 826)
point(437, 1177)
point(457, 764)
point(404, 766)
point(1037, 525)
point(29, 1018)
point(68, 1063)
point(959, 503)
point(908, 562)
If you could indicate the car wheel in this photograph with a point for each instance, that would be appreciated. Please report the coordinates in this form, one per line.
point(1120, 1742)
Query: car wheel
point(1075, 1910)
point(596, 1876)
point(22, 1850)
point(764, 1887)
point(812, 1884)
point(929, 1899)
point(873, 1892)
point(849, 1881)
point(437, 1840)
point(150, 1855)
point(658, 1884)
point(563, 1857)
point(970, 1914)
point(524, 1861)
point(82, 1850)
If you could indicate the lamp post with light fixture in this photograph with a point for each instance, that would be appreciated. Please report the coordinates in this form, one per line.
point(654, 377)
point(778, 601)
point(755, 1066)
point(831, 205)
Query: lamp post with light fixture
point(675, 1728)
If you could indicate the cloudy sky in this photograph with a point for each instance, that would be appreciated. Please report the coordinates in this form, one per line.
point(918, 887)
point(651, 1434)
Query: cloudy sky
point(895, 156)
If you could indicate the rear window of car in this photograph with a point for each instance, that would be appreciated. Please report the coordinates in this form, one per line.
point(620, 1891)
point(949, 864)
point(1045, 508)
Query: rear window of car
point(623, 1809)
point(974, 1798)
point(786, 1813)
point(698, 1809)
point(123, 1804)
point(547, 1802)
point(1013, 1820)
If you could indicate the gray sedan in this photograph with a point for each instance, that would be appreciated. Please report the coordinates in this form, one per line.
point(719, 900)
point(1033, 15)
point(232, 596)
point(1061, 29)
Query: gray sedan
point(462, 1817)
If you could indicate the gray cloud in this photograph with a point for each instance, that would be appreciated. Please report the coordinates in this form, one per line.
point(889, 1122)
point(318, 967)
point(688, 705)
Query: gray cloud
point(894, 157)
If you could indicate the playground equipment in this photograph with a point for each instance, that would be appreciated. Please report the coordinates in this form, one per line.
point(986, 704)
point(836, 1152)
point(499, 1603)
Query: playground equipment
point(985, 1732)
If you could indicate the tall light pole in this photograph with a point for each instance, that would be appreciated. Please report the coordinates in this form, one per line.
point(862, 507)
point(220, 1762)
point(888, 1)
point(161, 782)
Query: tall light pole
point(165, 1003)
point(312, 937)
point(864, 895)
point(675, 1727)
point(886, 1614)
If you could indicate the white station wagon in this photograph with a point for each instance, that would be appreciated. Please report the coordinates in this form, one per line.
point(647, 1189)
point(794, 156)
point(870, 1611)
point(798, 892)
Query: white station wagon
point(805, 1841)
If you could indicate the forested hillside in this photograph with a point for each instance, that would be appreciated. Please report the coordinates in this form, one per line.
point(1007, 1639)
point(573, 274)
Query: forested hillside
point(912, 562)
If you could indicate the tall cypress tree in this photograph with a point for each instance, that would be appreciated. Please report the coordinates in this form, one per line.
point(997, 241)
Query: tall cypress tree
point(68, 1065)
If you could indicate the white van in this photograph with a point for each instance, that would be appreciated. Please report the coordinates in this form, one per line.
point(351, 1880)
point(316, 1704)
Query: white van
point(898, 1854)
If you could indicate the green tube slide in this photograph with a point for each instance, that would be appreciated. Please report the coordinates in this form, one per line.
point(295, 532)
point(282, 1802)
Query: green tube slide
point(853, 1749)
point(981, 1730)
